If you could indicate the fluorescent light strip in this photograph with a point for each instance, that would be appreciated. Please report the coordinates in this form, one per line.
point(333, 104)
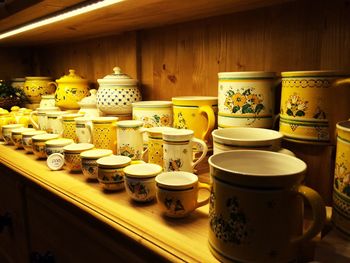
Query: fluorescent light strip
point(60, 17)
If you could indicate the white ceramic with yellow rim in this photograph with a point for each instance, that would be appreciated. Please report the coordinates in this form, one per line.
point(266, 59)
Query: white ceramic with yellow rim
point(246, 99)
point(68, 124)
point(178, 147)
point(104, 133)
point(83, 129)
point(140, 181)
point(54, 122)
point(341, 186)
point(89, 161)
point(312, 102)
point(36, 86)
point(72, 157)
point(258, 194)
point(56, 145)
point(177, 193)
point(197, 113)
point(111, 171)
point(130, 139)
point(6, 131)
point(16, 136)
point(38, 143)
point(155, 144)
point(27, 139)
point(47, 101)
point(41, 122)
point(246, 138)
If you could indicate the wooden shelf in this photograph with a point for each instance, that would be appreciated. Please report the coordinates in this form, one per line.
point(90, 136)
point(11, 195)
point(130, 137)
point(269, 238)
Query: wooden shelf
point(175, 240)
point(124, 16)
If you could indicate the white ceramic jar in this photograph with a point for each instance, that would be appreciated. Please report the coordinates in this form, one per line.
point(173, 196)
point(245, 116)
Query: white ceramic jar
point(88, 105)
point(116, 93)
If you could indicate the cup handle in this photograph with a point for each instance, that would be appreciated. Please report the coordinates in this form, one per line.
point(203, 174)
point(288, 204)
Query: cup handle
point(52, 83)
point(211, 120)
point(206, 200)
point(144, 154)
point(318, 213)
point(202, 147)
point(35, 124)
point(89, 126)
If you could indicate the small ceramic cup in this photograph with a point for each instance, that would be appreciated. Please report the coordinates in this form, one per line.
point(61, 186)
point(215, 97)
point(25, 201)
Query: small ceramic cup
point(56, 145)
point(38, 144)
point(6, 132)
point(83, 129)
point(140, 181)
point(111, 171)
point(177, 193)
point(89, 161)
point(16, 136)
point(72, 153)
point(27, 139)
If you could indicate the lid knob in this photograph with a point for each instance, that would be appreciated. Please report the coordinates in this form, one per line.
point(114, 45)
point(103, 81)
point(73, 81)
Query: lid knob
point(72, 72)
point(117, 70)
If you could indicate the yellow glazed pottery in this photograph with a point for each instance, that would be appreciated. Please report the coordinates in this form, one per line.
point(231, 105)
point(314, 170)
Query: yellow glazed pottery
point(104, 133)
point(197, 113)
point(68, 125)
point(312, 102)
point(35, 87)
point(256, 206)
point(89, 161)
point(341, 187)
point(70, 90)
point(72, 157)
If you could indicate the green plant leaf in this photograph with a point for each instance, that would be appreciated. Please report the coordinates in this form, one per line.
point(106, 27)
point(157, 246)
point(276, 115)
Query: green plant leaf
point(289, 112)
point(300, 113)
point(247, 109)
point(259, 108)
point(235, 109)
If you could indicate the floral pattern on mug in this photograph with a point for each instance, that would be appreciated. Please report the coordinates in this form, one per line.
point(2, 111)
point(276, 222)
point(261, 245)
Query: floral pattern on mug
point(174, 205)
point(174, 164)
point(127, 150)
point(181, 122)
point(139, 190)
point(245, 101)
point(234, 229)
point(342, 178)
point(295, 106)
point(156, 121)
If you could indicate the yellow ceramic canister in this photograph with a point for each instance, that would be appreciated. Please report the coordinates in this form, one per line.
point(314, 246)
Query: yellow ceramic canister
point(35, 87)
point(104, 133)
point(70, 90)
point(68, 123)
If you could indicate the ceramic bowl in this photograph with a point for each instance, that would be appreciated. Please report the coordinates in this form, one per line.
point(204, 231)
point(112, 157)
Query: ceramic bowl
point(111, 171)
point(16, 136)
point(38, 143)
point(89, 164)
point(140, 181)
point(56, 145)
point(27, 139)
point(6, 132)
point(72, 153)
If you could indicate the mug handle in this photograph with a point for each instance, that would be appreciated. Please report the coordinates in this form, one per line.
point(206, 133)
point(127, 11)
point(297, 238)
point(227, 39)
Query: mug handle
point(202, 147)
point(89, 126)
point(36, 125)
point(211, 120)
point(206, 200)
point(318, 213)
point(53, 84)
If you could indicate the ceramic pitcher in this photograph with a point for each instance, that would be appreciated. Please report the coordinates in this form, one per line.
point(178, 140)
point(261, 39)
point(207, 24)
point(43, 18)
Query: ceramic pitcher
point(312, 102)
point(104, 133)
point(177, 150)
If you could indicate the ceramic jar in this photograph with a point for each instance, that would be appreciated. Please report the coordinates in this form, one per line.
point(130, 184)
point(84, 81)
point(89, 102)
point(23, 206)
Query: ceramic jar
point(16, 136)
point(72, 157)
point(27, 139)
point(89, 161)
point(88, 105)
point(153, 113)
point(246, 99)
point(70, 90)
point(35, 87)
point(116, 93)
point(56, 145)
point(38, 144)
point(6, 131)
point(129, 139)
point(312, 102)
point(111, 171)
point(47, 101)
point(104, 133)
point(140, 181)
point(68, 124)
point(18, 83)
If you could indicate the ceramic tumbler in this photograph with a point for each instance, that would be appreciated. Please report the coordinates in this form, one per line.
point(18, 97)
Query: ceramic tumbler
point(256, 206)
point(104, 133)
point(312, 102)
point(83, 129)
point(197, 113)
point(68, 124)
point(246, 99)
point(178, 147)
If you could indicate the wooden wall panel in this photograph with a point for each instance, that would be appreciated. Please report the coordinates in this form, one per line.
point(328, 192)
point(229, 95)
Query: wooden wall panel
point(14, 63)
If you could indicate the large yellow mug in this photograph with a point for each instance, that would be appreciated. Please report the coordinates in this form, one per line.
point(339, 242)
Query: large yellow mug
point(104, 133)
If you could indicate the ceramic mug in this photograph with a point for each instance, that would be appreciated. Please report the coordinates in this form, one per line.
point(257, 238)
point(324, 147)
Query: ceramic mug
point(196, 113)
point(68, 124)
point(177, 193)
point(6, 131)
point(54, 122)
point(104, 133)
point(246, 99)
point(72, 157)
point(39, 144)
point(27, 142)
point(129, 139)
point(47, 101)
point(178, 150)
point(311, 105)
point(256, 206)
point(248, 138)
point(89, 161)
point(83, 129)
point(41, 124)
point(341, 186)
point(16, 136)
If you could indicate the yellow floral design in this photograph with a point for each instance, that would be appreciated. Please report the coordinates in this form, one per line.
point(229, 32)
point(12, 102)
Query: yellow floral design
point(244, 101)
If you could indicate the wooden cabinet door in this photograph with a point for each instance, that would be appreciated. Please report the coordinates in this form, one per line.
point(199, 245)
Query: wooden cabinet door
point(13, 244)
point(64, 233)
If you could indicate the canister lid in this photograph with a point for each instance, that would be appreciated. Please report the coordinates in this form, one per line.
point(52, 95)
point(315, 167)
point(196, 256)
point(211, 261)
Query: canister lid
point(178, 135)
point(130, 124)
point(95, 153)
point(90, 101)
point(21, 130)
point(143, 170)
point(55, 161)
point(152, 104)
point(118, 78)
point(114, 161)
point(78, 147)
point(71, 77)
point(59, 142)
point(45, 137)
